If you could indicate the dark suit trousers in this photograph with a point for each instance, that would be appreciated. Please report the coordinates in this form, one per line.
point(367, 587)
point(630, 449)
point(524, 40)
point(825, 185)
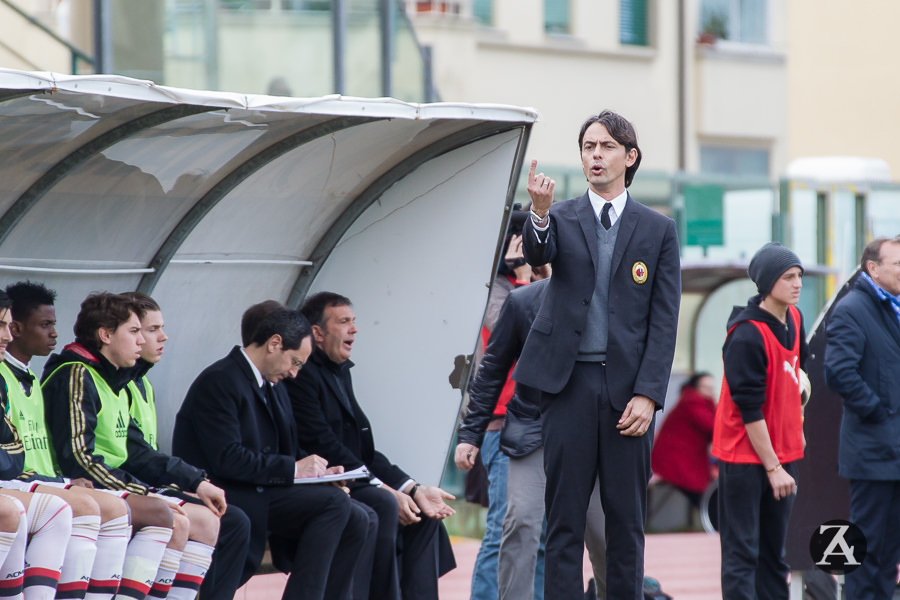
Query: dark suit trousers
point(226, 572)
point(317, 535)
point(410, 559)
point(581, 442)
point(875, 509)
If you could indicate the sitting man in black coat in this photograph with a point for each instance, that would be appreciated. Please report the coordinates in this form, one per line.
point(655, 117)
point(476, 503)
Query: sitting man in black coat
point(331, 423)
point(236, 423)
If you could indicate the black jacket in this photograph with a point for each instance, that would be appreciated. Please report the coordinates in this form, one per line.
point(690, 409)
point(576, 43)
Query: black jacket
point(744, 355)
point(862, 364)
point(70, 397)
point(521, 432)
point(331, 423)
point(644, 297)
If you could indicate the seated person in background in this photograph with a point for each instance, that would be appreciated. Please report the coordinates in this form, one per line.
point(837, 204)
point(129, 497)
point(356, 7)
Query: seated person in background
point(188, 558)
point(331, 423)
point(680, 454)
point(86, 409)
point(236, 423)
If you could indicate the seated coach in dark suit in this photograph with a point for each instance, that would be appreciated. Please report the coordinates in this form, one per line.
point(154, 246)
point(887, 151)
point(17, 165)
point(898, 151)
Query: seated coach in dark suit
point(236, 423)
point(331, 423)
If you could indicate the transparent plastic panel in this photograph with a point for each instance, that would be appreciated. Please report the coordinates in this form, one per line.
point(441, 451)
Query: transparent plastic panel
point(128, 198)
point(282, 210)
point(841, 247)
point(804, 225)
point(42, 129)
point(883, 212)
point(748, 225)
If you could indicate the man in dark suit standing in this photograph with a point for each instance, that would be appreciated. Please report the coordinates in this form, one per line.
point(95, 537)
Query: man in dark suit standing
point(236, 423)
point(600, 350)
point(331, 423)
point(862, 354)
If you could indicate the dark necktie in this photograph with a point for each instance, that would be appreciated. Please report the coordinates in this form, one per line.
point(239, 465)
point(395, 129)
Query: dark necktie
point(604, 215)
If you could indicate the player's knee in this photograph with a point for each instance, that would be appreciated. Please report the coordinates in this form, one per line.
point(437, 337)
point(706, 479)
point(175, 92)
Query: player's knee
point(10, 513)
point(204, 526)
point(181, 525)
point(82, 505)
point(149, 512)
point(111, 507)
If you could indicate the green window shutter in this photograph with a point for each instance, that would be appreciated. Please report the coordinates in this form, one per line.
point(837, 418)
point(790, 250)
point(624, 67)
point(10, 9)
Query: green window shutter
point(556, 16)
point(633, 22)
point(483, 11)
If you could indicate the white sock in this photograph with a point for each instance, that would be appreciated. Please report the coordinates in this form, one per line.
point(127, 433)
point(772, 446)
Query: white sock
point(195, 563)
point(13, 567)
point(107, 570)
point(145, 552)
point(76, 571)
point(50, 526)
point(165, 575)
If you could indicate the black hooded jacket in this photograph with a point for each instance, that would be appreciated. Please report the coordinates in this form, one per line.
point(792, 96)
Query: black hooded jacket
point(744, 355)
point(71, 405)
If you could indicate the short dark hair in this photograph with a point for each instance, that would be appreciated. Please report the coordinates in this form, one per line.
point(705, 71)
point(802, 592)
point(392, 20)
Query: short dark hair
point(872, 251)
point(285, 322)
point(694, 379)
point(5, 302)
point(314, 307)
point(252, 317)
point(143, 303)
point(622, 131)
point(102, 309)
point(27, 297)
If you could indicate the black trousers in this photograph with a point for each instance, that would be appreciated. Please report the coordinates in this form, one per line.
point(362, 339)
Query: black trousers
point(752, 532)
point(317, 534)
point(408, 560)
point(875, 509)
point(581, 443)
point(230, 555)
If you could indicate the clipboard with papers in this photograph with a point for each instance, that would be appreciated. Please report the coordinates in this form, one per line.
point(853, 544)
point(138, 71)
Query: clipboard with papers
point(360, 473)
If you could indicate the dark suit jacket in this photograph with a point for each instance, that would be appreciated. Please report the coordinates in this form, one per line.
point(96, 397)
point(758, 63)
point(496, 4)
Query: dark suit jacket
point(522, 424)
point(862, 364)
point(246, 445)
point(332, 424)
point(643, 317)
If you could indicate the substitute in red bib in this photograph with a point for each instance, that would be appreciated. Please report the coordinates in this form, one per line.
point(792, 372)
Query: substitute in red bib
point(758, 433)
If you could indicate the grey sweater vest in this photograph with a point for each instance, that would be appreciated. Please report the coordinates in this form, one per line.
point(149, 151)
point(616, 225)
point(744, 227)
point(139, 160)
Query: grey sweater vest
point(596, 330)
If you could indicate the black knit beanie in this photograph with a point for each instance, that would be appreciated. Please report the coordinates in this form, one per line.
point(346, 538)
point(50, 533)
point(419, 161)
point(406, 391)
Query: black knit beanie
point(769, 263)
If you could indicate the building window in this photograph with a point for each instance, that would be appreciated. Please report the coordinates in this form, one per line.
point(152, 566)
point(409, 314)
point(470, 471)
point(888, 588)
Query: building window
point(556, 16)
point(744, 21)
point(483, 11)
point(724, 160)
point(633, 22)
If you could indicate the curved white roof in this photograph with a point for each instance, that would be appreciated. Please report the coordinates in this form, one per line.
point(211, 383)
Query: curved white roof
point(213, 201)
point(839, 169)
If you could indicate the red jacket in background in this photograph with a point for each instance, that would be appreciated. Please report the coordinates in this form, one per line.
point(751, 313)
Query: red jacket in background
point(681, 448)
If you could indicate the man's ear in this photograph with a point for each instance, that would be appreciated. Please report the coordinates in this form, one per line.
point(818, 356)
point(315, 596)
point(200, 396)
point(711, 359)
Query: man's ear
point(16, 329)
point(104, 335)
point(318, 334)
point(274, 343)
point(630, 157)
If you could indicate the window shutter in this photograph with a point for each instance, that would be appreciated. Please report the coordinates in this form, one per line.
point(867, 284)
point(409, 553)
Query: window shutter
point(633, 22)
point(556, 16)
